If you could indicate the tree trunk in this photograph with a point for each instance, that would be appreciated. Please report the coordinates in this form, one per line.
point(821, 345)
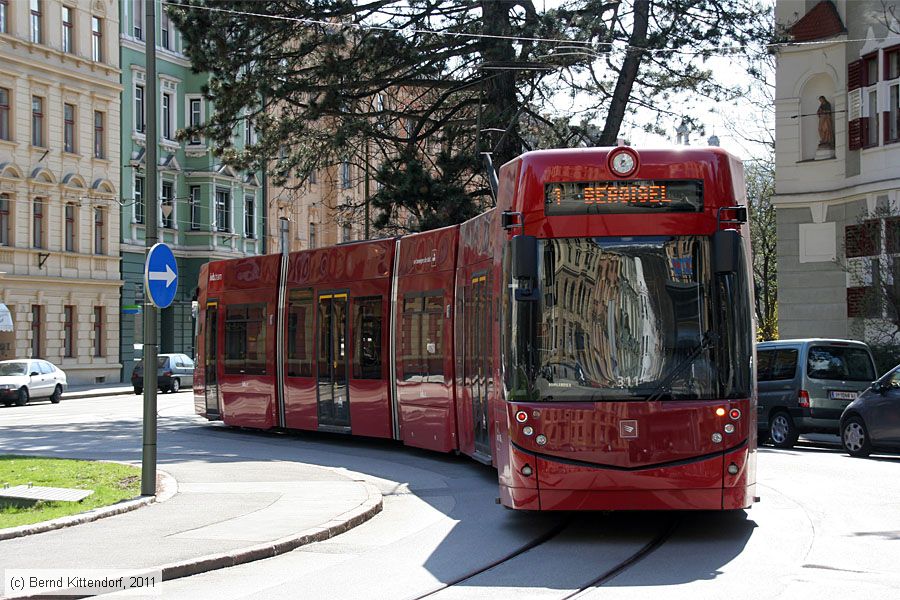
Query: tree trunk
point(630, 68)
point(499, 110)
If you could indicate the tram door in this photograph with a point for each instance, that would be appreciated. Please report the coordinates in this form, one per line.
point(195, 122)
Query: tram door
point(211, 360)
point(479, 345)
point(331, 339)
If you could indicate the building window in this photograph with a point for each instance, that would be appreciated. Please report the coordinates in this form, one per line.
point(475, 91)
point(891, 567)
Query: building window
point(37, 331)
point(5, 133)
point(345, 174)
point(4, 16)
point(138, 199)
point(249, 217)
point(37, 121)
point(872, 119)
point(892, 75)
point(346, 232)
point(312, 235)
point(97, 39)
point(37, 214)
point(140, 114)
point(37, 33)
point(69, 128)
point(312, 176)
point(99, 232)
point(70, 228)
point(223, 209)
point(196, 117)
point(98, 331)
point(69, 332)
point(138, 19)
point(99, 145)
point(167, 116)
point(68, 37)
point(168, 205)
point(164, 30)
point(248, 131)
point(863, 240)
point(195, 207)
point(4, 220)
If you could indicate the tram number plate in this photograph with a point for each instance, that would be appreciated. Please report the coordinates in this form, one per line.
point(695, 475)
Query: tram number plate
point(843, 395)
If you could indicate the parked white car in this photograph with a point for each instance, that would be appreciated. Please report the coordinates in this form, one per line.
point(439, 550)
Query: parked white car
point(30, 379)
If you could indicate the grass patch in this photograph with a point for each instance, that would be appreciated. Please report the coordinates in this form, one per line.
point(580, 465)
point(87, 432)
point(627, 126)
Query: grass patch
point(111, 483)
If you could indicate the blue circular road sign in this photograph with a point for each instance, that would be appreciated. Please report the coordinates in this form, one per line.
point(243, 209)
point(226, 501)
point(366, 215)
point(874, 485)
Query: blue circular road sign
point(161, 275)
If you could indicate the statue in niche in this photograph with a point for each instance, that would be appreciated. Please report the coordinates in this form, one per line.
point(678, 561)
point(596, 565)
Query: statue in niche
point(826, 124)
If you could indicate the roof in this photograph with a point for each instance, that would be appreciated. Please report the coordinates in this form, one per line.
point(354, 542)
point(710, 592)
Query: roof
point(809, 341)
point(819, 23)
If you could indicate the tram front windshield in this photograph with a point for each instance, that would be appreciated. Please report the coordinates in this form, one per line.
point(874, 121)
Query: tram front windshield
point(628, 318)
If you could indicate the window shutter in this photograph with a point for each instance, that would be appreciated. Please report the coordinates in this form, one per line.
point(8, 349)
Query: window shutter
point(855, 75)
point(855, 122)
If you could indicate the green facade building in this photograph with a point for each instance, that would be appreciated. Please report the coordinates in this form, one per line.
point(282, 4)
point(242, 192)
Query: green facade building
point(207, 211)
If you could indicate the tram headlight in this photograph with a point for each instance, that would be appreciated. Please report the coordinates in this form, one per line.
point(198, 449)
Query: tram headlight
point(720, 412)
point(528, 430)
point(733, 469)
point(729, 428)
point(541, 439)
point(716, 437)
point(527, 471)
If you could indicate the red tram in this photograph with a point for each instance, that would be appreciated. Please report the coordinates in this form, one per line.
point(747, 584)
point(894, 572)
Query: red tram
point(590, 337)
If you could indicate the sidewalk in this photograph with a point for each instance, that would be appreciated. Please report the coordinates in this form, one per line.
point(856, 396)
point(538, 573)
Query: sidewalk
point(219, 512)
point(92, 390)
point(223, 514)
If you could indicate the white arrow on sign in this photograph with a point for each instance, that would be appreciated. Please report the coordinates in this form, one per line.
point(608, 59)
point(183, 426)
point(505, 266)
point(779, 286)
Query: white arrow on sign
point(168, 276)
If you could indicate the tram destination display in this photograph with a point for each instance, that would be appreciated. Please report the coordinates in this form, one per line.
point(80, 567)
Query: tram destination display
point(617, 197)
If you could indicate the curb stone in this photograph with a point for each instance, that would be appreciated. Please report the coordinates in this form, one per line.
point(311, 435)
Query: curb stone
point(166, 486)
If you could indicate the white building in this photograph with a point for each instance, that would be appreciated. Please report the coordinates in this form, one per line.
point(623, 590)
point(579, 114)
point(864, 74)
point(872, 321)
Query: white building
point(59, 174)
point(836, 239)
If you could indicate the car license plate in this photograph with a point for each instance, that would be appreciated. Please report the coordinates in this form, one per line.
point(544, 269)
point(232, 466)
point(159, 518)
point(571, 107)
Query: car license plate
point(843, 395)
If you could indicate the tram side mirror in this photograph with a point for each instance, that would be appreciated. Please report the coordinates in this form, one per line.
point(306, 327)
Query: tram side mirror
point(726, 250)
point(523, 262)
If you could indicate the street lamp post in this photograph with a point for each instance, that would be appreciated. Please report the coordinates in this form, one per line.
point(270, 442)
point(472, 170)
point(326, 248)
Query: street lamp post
point(151, 236)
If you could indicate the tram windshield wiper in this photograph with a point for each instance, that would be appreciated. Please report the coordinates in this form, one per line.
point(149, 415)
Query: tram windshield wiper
point(688, 360)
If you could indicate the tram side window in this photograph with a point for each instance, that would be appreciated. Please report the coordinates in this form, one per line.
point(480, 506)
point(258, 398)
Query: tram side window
point(245, 339)
point(422, 354)
point(367, 338)
point(300, 333)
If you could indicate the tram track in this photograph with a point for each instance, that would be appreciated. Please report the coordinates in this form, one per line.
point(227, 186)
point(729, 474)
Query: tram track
point(654, 543)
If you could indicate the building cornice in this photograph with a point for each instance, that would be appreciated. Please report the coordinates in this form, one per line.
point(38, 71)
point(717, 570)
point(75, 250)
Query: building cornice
point(62, 74)
point(161, 54)
point(842, 194)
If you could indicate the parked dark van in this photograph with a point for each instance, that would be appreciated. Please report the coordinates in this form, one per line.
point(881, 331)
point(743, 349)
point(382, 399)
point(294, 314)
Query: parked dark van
point(805, 385)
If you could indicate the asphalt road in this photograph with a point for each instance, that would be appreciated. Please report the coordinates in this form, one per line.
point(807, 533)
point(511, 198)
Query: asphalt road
point(828, 525)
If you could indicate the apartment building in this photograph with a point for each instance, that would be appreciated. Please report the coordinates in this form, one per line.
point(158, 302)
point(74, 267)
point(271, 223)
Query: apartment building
point(59, 183)
point(206, 210)
point(837, 152)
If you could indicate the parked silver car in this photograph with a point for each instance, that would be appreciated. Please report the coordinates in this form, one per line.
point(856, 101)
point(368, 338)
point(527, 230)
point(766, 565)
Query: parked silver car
point(29, 379)
point(805, 385)
point(872, 421)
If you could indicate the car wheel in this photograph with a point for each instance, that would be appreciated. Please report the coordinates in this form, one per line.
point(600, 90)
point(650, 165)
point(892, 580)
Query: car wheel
point(22, 398)
point(176, 385)
point(855, 437)
point(138, 391)
point(782, 430)
point(56, 396)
